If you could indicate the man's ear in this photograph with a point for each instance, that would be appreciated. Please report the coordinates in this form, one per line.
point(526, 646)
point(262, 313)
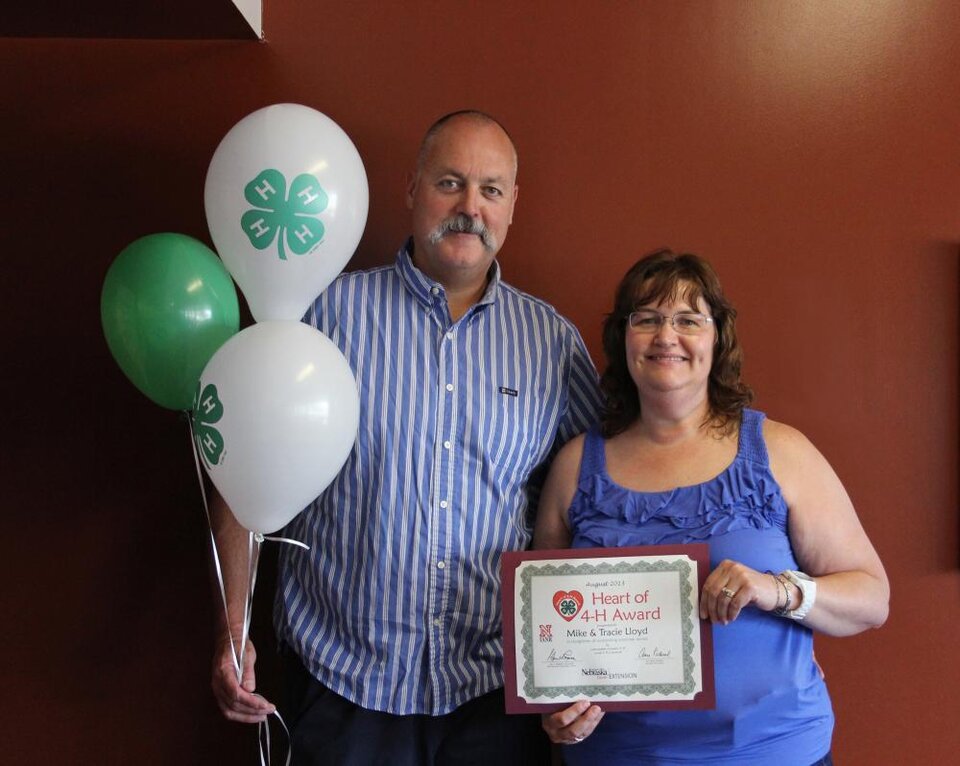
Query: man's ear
point(513, 205)
point(411, 183)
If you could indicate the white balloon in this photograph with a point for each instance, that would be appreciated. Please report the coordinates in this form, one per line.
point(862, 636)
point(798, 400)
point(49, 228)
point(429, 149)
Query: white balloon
point(276, 416)
point(286, 199)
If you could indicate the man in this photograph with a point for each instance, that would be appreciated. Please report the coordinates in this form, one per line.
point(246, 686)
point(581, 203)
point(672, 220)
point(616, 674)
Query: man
point(390, 624)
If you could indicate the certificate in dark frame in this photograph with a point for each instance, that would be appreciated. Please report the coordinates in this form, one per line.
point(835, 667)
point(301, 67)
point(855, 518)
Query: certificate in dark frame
point(705, 699)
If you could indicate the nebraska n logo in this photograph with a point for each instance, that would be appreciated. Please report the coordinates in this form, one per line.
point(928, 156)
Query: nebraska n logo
point(286, 218)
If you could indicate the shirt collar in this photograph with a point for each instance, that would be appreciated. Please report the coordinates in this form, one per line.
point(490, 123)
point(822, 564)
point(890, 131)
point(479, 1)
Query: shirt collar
point(427, 290)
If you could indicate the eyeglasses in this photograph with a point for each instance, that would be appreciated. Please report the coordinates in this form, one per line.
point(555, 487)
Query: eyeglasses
point(648, 322)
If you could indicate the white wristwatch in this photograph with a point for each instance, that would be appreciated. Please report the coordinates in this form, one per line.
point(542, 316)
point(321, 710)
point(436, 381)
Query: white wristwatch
point(808, 593)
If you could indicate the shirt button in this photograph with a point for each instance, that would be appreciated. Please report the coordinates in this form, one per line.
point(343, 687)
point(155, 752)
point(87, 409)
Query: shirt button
point(449, 336)
point(437, 622)
point(443, 503)
point(435, 290)
point(446, 445)
point(441, 565)
point(449, 386)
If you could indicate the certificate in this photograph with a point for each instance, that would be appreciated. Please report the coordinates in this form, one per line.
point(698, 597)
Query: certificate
point(618, 626)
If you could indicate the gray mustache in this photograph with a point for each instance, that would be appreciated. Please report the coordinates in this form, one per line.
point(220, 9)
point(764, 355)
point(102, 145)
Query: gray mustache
point(463, 224)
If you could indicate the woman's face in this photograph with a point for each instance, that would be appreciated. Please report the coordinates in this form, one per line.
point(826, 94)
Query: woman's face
point(662, 360)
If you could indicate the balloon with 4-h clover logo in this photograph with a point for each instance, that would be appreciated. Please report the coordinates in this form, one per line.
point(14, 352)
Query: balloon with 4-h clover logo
point(274, 419)
point(286, 200)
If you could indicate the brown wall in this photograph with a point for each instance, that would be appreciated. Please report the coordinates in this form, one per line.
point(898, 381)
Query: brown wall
point(810, 150)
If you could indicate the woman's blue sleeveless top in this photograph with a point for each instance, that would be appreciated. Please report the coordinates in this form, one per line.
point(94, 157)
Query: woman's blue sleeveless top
point(772, 704)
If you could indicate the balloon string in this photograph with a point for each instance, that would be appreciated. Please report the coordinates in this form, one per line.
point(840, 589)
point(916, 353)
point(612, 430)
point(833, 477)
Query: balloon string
point(254, 542)
point(263, 735)
point(253, 559)
point(237, 666)
point(287, 540)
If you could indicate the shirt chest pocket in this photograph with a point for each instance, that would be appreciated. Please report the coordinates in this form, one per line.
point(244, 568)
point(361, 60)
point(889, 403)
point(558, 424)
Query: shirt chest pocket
point(517, 434)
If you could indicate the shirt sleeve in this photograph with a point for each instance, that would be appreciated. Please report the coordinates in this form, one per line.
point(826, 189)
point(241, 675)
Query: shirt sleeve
point(581, 407)
point(583, 400)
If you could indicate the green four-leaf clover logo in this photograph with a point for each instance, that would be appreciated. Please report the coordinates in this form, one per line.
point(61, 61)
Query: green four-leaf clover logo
point(286, 218)
point(207, 410)
point(568, 607)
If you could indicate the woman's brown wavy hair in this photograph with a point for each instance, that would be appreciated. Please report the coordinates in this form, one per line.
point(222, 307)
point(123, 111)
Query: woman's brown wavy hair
point(665, 275)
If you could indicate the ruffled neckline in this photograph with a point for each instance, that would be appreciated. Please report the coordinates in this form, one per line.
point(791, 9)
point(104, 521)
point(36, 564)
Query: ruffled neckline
point(742, 496)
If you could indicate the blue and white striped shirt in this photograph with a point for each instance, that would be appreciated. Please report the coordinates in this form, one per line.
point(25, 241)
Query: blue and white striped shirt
point(397, 604)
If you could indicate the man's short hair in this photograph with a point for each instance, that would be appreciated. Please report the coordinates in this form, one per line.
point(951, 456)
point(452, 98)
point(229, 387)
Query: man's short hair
point(472, 114)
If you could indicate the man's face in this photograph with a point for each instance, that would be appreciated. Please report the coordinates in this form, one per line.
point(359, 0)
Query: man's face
point(462, 197)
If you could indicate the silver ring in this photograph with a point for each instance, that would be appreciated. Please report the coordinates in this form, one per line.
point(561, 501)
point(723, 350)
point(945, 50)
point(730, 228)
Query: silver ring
point(578, 738)
point(727, 592)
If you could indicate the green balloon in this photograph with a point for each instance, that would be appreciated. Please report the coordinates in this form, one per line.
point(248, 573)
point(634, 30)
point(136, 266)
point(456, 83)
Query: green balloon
point(167, 305)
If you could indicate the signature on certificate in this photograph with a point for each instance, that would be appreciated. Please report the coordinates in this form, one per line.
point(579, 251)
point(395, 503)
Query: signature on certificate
point(656, 652)
point(565, 655)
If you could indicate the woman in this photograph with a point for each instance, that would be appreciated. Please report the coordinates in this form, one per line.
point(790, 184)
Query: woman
point(680, 458)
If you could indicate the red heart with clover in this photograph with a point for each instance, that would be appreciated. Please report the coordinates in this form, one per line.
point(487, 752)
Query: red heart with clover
point(567, 603)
